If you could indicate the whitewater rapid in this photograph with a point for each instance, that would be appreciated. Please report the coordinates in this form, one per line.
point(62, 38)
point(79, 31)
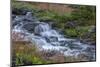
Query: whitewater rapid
point(47, 38)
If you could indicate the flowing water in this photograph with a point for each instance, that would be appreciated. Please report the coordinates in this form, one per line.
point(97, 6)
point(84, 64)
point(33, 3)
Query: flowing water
point(47, 38)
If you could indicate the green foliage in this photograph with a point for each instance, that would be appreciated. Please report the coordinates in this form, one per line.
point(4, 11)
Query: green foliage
point(83, 14)
point(28, 59)
point(81, 30)
point(26, 54)
point(44, 15)
point(76, 32)
point(24, 6)
point(20, 5)
point(71, 32)
point(60, 18)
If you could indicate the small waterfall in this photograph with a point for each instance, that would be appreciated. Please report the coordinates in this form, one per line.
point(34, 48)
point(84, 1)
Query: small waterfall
point(42, 27)
point(47, 38)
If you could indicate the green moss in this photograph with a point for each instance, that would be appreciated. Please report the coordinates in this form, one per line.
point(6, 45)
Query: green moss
point(44, 15)
point(84, 14)
point(77, 31)
point(71, 32)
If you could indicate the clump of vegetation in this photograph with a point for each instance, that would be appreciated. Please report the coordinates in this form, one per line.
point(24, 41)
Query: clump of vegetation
point(25, 54)
point(23, 7)
point(71, 33)
point(77, 32)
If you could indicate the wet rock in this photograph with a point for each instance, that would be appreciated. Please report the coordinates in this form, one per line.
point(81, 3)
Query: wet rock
point(88, 41)
point(63, 43)
point(30, 26)
point(13, 16)
point(53, 39)
point(16, 20)
point(92, 29)
point(42, 29)
point(19, 11)
point(71, 24)
point(74, 46)
point(90, 49)
point(28, 17)
point(46, 20)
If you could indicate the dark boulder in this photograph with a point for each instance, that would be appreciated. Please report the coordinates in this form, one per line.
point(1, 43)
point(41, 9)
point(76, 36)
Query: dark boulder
point(17, 11)
point(29, 17)
point(71, 24)
point(30, 26)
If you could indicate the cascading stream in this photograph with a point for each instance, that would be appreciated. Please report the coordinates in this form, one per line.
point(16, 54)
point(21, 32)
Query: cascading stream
point(47, 38)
